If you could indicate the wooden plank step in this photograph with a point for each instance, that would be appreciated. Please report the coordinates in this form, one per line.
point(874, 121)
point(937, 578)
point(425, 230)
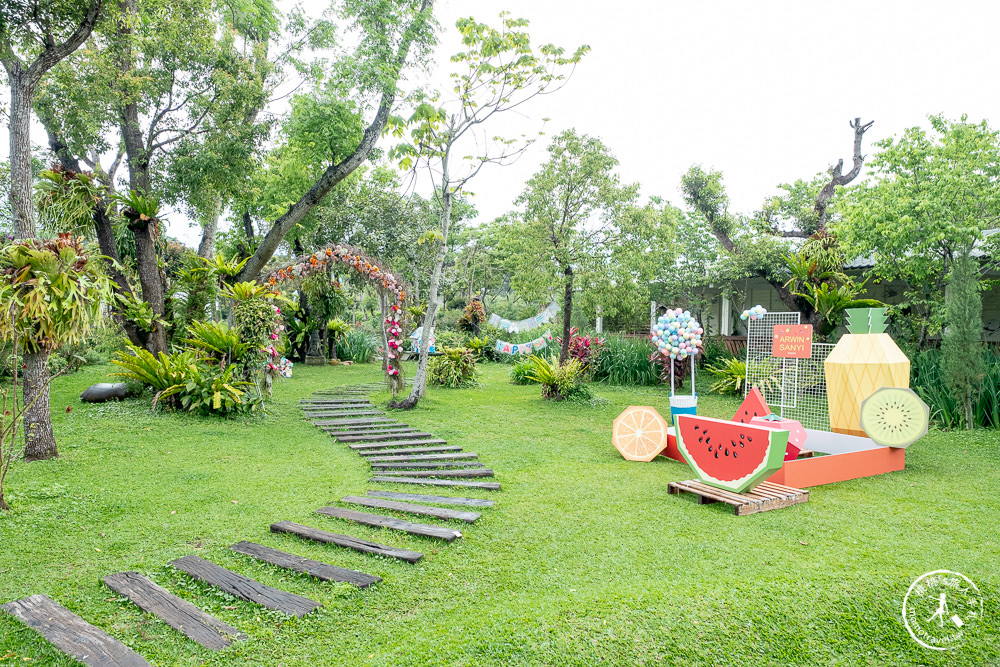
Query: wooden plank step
point(492, 486)
point(363, 429)
point(333, 399)
point(447, 456)
point(245, 588)
point(314, 568)
point(353, 422)
point(410, 450)
point(762, 498)
point(71, 634)
point(436, 512)
point(397, 432)
point(345, 402)
point(441, 500)
point(426, 465)
point(345, 414)
point(379, 521)
point(378, 437)
point(388, 444)
point(470, 472)
point(317, 535)
point(178, 613)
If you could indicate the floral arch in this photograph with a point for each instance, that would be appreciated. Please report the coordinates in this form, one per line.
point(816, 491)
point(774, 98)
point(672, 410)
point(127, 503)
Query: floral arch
point(392, 288)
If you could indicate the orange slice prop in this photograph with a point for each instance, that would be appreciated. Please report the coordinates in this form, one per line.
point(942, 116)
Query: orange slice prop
point(639, 433)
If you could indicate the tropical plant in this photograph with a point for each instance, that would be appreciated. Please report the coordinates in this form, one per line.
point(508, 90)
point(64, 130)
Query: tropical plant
point(731, 376)
point(472, 317)
point(140, 313)
point(139, 205)
point(247, 290)
point(336, 329)
point(209, 390)
point(582, 348)
point(559, 382)
point(218, 340)
point(157, 371)
point(455, 368)
point(357, 346)
point(225, 267)
point(520, 372)
point(66, 199)
point(624, 361)
point(830, 301)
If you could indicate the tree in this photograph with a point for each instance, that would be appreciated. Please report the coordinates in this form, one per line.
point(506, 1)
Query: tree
point(930, 197)
point(757, 245)
point(571, 212)
point(30, 34)
point(502, 71)
point(962, 345)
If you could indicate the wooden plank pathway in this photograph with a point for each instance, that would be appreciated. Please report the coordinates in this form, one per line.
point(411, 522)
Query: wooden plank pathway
point(447, 456)
point(353, 422)
point(317, 535)
point(388, 444)
point(314, 568)
point(469, 472)
point(71, 634)
point(347, 414)
point(426, 465)
point(387, 429)
point(409, 508)
point(422, 498)
point(379, 437)
point(379, 521)
point(179, 614)
point(491, 486)
point(409, 450)
point(245, 588)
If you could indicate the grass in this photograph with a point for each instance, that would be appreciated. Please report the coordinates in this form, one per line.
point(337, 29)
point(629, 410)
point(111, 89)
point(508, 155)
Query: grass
point(584, 560)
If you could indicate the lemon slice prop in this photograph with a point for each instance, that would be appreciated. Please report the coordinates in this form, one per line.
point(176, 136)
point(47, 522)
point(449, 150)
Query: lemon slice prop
point(639, 433)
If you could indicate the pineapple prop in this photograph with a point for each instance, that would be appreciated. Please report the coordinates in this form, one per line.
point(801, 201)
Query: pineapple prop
point(863, 361)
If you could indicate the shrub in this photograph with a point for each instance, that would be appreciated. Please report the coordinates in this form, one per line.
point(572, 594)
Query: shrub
point(357, 346)
point(211, 390)
point(455, 368)
point(217, 340)
point(624, 361)
point(446, 338)
point(472, 317)
point(159, 372)
point(520, 373)
point(559, 382)
point(713, 352)
point(928, 380)
point(731, 376)
point(582, 348)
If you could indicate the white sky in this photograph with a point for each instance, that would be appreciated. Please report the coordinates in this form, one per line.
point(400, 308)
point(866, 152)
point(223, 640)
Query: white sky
point(762, 91)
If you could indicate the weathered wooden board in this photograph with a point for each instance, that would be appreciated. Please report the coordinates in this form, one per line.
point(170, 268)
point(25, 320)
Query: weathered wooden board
point(347, 541)
point(245, 588)
point(426, 530)
point(345, 414)
point(492, 486)
point(426, 465)
point(388, 444)
point(331, 400)
point(314, 568)
point(441, 500)
point(353, 422)
point(337, 431)
point(71, 634)
point(405, 458)
point(409, 450)
point(179, 614)
point(379, 437)
point(409, 508)
point(761, 498)
point(473, 472)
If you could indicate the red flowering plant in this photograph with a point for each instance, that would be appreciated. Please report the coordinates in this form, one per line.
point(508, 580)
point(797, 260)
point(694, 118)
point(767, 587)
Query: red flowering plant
point(582, 348)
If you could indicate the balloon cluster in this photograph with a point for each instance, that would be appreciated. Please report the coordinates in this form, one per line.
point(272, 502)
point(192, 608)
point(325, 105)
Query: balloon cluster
point(755, 313)
point(677, 335)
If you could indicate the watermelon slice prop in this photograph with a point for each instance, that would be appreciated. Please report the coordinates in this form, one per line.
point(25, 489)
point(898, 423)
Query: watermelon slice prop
point(730, 455)
point(752, 406)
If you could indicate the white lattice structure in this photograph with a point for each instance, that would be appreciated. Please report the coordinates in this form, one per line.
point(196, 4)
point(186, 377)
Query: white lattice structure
point(793, 388)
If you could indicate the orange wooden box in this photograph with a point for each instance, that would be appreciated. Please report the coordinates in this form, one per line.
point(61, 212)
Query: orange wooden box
point(841, 457)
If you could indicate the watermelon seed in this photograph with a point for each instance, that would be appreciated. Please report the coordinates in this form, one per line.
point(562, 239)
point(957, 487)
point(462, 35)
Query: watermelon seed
point(701, 439)
point(708, 440)
point(749, 439)
point(734, 455)
point(727, 452)
point(710, 448)
point(717, 455)
point(696, 427)
point(742, 436)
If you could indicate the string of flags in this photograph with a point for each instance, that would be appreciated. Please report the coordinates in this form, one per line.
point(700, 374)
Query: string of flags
point(524, 348)
point(528, 324)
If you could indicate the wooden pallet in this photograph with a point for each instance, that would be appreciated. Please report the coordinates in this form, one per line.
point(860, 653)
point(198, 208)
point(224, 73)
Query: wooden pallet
point(762, 498)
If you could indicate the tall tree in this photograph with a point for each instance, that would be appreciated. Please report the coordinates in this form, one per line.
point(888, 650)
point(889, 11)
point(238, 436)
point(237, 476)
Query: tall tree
point(931, 196)
point(571, 214)
point(34, 37)
point(500, 72)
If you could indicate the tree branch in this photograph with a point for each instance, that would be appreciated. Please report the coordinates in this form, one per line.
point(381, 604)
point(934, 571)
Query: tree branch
point(839, 179)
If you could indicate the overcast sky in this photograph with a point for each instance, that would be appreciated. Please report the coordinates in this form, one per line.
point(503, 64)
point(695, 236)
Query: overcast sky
point(762, 91)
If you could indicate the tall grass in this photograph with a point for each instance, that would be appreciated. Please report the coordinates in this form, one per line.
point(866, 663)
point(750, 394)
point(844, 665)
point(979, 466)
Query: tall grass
point(928, 381)
point(357, 346)
point(625, 361)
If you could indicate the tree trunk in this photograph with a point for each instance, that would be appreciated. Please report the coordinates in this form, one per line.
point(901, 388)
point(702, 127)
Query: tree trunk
point(39, 439)
point(567, 313)
point(207, 246)
point(149, 279)
point(21, 201)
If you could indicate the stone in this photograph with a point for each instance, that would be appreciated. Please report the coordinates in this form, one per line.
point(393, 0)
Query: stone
point(105, 391)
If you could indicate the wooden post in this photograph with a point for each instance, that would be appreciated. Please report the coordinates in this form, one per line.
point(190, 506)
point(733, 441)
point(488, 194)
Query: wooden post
point(652, 315)
point(600, 320)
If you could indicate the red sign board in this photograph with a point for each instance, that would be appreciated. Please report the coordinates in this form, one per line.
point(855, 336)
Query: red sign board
point(792, 341)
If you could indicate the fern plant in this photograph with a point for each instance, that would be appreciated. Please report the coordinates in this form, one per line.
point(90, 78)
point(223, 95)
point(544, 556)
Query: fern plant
point(455, 368)
point(217, 340)
point(247, 290)
point(160, 372)
point(731, 376)
point(211, 391)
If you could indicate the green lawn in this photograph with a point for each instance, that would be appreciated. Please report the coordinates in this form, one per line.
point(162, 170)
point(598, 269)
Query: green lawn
point(585, 558)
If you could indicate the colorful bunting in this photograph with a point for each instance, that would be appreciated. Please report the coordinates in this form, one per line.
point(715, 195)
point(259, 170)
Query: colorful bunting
point(528, 324)
point(524, 348)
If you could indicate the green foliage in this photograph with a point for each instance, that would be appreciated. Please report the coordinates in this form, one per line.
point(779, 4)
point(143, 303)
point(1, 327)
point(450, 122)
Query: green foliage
point(246, 291)
point(357, 346)
point(559, 382)
point(138, 312)
point(209, 390)
point(521, 371)
point(948, 411)
point(455, 368)
point(159, 372)
point(54, 290)
point(139, 205)
point(625, 361)
point(731, 376)
point(961, 346)
point(217, 340)
point(65, 200)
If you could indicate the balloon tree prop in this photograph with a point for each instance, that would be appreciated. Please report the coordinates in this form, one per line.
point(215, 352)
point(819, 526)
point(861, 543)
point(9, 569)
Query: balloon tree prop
point(677, 335)
point(387, 284)
point(756, 313)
